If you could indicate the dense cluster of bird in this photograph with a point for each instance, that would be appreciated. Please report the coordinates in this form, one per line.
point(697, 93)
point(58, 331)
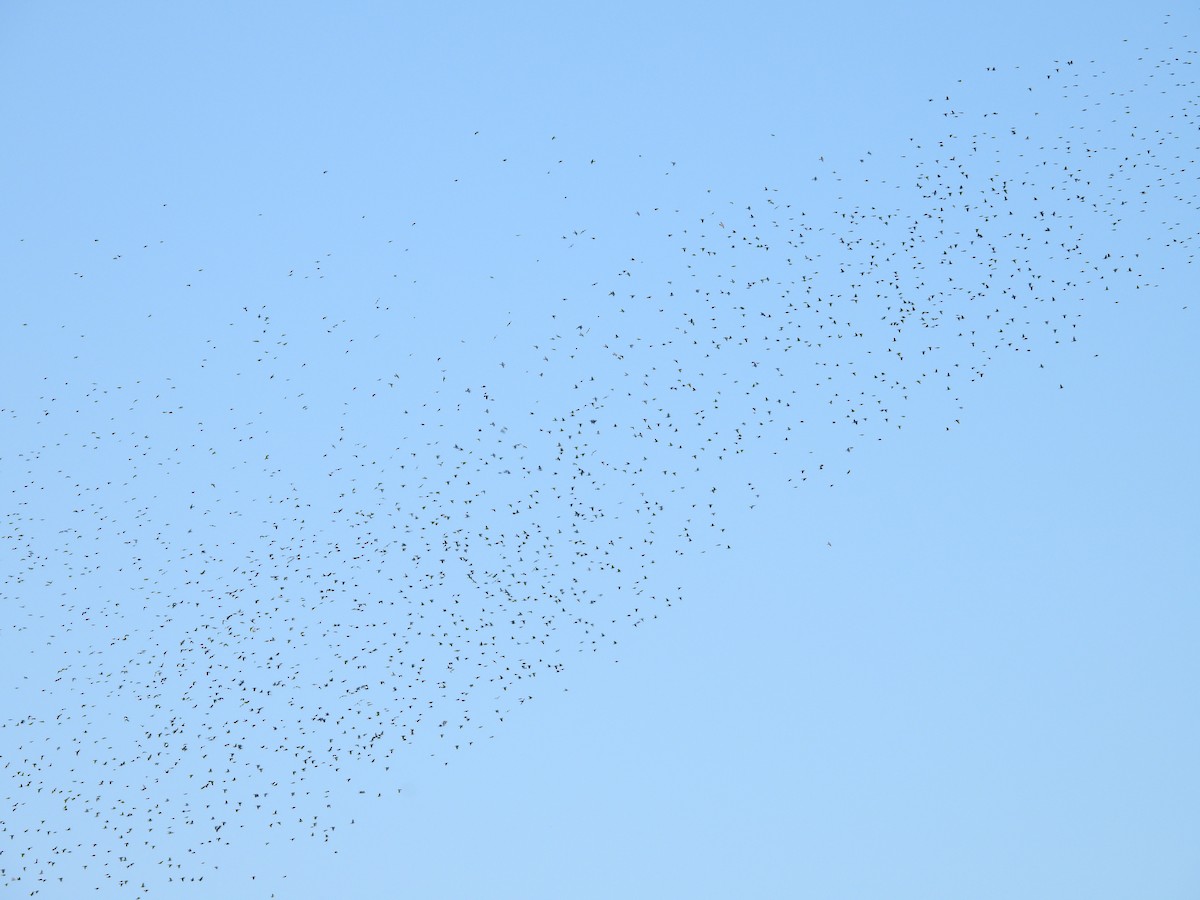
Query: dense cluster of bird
point(271, 595)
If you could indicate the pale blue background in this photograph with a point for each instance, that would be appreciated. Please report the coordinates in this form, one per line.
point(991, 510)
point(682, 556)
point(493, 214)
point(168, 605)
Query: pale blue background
point(966, 671)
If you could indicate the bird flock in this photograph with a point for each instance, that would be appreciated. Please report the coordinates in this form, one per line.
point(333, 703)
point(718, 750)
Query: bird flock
point(238, 592)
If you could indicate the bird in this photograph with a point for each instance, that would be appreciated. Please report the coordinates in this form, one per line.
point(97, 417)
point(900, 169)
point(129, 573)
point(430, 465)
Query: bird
point(305, 544)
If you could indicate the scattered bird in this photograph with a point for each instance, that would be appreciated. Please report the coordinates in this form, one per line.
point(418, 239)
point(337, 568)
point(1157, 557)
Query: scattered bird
point(249, 586)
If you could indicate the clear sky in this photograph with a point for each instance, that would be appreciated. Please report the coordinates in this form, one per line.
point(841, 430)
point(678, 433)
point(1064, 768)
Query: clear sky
point(634, 450)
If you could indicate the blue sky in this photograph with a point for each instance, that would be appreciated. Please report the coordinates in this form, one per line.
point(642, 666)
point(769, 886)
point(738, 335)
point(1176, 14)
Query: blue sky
point(301, 302)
